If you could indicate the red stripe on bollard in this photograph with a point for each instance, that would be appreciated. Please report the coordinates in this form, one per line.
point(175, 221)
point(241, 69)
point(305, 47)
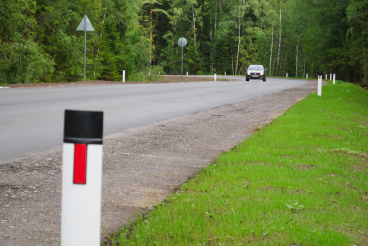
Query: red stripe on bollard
point(80, 163)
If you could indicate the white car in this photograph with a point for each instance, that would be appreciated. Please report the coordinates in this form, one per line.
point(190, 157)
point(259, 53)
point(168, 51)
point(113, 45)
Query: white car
point(256, 72)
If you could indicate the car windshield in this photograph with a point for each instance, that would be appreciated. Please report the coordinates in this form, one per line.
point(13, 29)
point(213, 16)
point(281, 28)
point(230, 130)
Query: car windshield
point(255, 67)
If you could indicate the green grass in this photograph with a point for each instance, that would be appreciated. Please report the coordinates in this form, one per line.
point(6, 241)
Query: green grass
point(302, 179)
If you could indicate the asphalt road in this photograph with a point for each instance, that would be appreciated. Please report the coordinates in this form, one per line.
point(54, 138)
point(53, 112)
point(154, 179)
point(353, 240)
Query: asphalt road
point(31, 120)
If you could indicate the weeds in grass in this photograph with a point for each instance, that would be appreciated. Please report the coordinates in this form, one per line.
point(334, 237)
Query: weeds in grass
point(301, 180)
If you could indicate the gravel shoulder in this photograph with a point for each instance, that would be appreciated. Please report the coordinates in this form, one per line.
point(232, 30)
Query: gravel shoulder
point(140, 167)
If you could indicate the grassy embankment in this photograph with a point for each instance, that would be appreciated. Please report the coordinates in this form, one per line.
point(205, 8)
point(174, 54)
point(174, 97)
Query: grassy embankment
point(302, 179)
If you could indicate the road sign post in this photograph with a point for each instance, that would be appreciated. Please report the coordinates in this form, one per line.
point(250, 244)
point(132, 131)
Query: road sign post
point(81, 178)
point(182, 43)
point(85, 25)
point(319, 92)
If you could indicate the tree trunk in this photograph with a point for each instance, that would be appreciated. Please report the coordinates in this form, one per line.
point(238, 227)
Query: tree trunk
point(278, 55)
point(285, 60)
point(365, 67)
point(214, 35)
point(150, 60)
point(296, 62)
point(194, 30)
point(304, 66)
point(20, 60)
point(211, 51)
point(237, 53)
point(232, 63)
point(271, 53)
point(215, 17)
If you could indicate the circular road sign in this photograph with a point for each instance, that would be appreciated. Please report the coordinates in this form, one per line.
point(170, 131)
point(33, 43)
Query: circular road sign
point(182, 42)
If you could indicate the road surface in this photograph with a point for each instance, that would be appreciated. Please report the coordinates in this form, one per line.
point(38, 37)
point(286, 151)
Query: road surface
point(31, 119)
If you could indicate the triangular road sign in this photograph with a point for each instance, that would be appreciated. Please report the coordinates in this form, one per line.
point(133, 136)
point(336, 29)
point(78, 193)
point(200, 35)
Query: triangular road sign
point(89, 26)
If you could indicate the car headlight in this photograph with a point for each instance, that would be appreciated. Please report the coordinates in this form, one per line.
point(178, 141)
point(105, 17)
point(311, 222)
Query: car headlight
point(262, 74)
point(248, 73)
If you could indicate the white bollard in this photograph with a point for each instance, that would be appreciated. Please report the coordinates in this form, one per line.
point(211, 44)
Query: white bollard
point(319, 93)
point(287, 75)
point(215, 77)
point(81, 178)
point(326, 76)
point(330, 76)
point(159, 73)
point(187, 73)
point(123, 80)
point(225, 73)
point(334, 78)
point(307, 76)
point(149, 73)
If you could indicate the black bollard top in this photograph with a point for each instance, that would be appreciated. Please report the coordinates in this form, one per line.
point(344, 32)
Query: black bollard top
point(84, 127)
point(320, 73)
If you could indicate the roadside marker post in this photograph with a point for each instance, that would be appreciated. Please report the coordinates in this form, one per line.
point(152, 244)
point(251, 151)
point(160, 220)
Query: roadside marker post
point(307, 76)
point(319, 93)
point(85, 25)
point(326, 76)
point(123, 76)
point(187, 73)
point(225, 73)
point(81, 178)
point(287, 75)
point(330, 76)
point(215, 75)
point(334, 78)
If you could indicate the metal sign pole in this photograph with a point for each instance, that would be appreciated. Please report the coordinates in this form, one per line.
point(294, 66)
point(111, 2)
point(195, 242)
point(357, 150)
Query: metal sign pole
point(85, 25)
point(182, 59)
point(182, 42)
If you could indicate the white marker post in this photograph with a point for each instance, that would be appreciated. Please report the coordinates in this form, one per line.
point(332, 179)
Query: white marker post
point(287, 75)
point(215, 75)
point(187, 73)
point(334, 78)
point(81, 178)
point(225, 73)
point(123, 76)
point(85, 25)
point(319, 93)
point(330, 76)
point(307, 76)
point(326, 76)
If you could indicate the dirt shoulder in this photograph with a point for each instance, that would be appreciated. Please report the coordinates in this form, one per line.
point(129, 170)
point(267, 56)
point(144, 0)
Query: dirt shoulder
point(165, 79)
point(140, 167)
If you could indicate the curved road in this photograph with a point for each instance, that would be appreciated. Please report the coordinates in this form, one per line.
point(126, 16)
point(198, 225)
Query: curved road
point(31, 120)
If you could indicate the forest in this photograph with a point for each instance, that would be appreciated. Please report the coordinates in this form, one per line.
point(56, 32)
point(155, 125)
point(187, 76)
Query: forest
point(39, 41)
